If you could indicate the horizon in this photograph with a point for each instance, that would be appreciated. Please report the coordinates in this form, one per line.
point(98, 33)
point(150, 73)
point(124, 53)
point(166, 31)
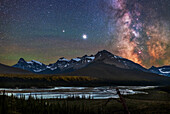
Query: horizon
point(78, 57)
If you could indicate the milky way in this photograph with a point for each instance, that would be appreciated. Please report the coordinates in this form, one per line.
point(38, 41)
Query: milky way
point(138, 31)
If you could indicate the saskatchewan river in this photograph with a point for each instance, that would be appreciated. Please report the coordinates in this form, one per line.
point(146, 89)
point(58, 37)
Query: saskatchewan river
point(81, 92)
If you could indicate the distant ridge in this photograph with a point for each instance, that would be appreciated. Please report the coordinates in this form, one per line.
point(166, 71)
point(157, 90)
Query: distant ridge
point(118, 76)
point(4, 69)
point(164, 70)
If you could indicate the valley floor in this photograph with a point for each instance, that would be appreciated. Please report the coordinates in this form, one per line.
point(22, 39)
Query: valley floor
point(157, 101)
point(46, 81)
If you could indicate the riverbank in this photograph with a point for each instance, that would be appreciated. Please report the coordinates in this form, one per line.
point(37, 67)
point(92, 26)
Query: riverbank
point(48, 81)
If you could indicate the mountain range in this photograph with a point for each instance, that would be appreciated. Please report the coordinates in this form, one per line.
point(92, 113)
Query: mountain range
point(104, 68)
point(64, 65)
point(61, 66)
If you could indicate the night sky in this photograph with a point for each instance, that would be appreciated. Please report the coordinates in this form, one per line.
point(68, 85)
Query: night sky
point(45, 30)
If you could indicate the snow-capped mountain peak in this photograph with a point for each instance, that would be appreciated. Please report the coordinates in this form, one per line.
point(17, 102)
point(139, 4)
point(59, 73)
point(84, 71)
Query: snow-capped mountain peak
point(33, 66)
point(164, 70)
point(92, 58)
point(63, 59)
point(76, 59)
point(21, 60)
point(109, 58)
point(34, 61)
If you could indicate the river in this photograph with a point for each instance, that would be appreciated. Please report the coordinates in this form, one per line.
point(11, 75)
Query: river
point(81, 92)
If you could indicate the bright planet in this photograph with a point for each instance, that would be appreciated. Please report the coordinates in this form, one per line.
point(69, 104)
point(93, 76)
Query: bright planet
point(84, 36)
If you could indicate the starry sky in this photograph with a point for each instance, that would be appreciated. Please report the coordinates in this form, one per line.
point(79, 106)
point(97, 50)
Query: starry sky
point(45, 30)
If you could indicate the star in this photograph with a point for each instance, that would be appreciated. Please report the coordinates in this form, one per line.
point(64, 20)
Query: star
point(84, 36)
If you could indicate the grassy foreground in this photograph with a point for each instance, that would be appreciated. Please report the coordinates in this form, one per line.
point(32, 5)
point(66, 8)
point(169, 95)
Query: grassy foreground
point(156, 102)
point(47, 77)
point(45, 81)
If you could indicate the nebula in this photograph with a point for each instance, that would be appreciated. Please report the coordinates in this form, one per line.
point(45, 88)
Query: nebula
point(137, 32)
